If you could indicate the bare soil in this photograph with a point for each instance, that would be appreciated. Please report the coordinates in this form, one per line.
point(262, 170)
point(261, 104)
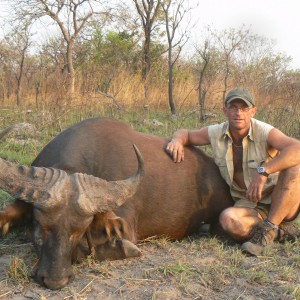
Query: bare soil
point(195, 268)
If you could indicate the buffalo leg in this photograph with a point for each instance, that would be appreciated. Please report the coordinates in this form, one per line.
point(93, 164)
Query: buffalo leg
point(107, 238)
point(121, 249)
point(108, 227)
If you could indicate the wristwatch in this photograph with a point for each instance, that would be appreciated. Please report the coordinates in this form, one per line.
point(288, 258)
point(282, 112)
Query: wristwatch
point(262, 171)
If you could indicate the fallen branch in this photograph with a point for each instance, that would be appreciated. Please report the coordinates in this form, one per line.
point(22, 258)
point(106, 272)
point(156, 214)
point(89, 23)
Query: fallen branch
point(5, 294)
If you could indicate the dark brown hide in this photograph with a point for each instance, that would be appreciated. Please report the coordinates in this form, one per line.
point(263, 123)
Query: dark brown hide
point(172, 200)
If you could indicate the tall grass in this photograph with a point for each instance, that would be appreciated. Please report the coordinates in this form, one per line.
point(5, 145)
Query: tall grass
point(51, 120)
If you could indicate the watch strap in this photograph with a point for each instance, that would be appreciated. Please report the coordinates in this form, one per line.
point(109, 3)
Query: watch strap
point(262, 171)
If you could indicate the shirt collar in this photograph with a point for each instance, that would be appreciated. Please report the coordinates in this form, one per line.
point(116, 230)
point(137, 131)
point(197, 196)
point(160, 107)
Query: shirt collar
point(226, 133)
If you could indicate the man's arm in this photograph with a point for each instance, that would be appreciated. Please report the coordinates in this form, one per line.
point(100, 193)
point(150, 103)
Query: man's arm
point(288, 157)
point(186, 137)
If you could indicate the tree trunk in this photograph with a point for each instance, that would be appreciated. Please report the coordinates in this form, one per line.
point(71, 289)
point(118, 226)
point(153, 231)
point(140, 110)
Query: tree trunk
point(147, 57)
point(170, 84)
point(202, 91)
point(147, 64)
point(19, 77)
point(71, 70)
point(202, 96)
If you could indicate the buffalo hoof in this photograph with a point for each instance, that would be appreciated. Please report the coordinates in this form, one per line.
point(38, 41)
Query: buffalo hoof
point(130, 249)
point(120, 249)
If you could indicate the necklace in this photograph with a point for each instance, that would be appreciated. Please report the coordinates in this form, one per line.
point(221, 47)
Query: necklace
point(237, 146)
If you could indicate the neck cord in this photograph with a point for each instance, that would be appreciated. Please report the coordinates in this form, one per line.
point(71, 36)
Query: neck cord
point(237, 146)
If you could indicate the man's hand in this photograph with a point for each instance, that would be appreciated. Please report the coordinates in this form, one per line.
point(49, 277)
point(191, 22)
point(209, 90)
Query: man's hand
point(176, 150)
point(184, 137)
point(254, 192)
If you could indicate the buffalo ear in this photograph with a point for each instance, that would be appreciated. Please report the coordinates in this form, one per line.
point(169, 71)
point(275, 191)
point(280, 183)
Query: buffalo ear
point(16, 213)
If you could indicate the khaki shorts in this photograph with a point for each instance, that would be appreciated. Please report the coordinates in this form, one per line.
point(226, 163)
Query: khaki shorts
point(263, 210)
point(240, 199)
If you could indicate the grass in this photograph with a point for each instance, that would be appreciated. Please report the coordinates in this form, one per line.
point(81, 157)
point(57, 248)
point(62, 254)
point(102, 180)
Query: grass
point(195, 268)
point(4, 198)
point(18, 271)
point(218, 270)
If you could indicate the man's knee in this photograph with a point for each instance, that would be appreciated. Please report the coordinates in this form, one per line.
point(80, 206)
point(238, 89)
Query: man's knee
point(238, 221)
point(226, 218)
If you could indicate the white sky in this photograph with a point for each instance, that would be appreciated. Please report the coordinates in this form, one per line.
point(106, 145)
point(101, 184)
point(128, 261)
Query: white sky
point(278, 20)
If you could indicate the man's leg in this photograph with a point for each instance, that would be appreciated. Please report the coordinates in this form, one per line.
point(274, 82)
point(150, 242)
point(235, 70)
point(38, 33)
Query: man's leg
point(285, 199)
point(238, 222)
point(285, 205)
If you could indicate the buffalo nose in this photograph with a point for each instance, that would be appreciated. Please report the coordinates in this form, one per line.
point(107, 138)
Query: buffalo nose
point(56, 284)
point(53, 283)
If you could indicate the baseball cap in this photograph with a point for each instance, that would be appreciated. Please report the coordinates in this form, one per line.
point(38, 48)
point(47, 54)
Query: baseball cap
point(242, 94)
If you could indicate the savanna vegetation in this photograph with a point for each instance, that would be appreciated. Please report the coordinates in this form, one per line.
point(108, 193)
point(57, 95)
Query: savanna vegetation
point(57, 54)
point(136, 61)
point(199, 267)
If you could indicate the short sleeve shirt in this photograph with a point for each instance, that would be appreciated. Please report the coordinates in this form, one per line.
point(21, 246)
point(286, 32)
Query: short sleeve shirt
point(255, 152)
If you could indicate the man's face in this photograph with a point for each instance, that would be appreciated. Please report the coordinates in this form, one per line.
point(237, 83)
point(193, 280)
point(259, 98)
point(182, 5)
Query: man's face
point(239, 114)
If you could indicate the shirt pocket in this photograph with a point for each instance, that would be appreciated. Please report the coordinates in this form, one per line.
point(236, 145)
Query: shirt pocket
point(222, 165)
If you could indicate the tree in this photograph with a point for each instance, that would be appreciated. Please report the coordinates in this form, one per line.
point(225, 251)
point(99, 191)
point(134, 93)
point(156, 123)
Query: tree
point(17, 43)
point(115, 48)
point(174, 13)
point(205, 55)
point(229, 42)
point(148, 11)
point(70, 16)
point(23, 40)
point(113, 52)
point(6, 69)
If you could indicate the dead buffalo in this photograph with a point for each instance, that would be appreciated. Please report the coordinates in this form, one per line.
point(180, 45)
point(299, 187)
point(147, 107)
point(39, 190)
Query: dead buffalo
point(70, 222)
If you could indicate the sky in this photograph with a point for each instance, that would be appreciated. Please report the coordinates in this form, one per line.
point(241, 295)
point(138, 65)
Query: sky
point(278, 20)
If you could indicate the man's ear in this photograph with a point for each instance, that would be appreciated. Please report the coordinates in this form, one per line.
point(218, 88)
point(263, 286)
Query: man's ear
point(253, 112)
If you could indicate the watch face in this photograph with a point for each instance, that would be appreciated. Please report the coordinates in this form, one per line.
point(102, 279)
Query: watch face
point(260, 170)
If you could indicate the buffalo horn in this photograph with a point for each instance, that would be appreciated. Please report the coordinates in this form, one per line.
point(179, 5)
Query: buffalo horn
point(92, 194)
point(31, 184)
point(98, 195)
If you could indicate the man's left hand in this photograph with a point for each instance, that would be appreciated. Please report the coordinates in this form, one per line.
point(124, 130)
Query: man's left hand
point(254, 192)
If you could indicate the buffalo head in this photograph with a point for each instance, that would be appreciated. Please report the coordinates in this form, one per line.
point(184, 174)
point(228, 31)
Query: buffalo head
point(62, 206)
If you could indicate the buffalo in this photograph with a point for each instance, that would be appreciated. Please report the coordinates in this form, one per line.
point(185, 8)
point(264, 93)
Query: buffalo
point(76, 198)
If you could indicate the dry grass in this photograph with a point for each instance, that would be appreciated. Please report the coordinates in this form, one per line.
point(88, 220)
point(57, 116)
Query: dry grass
point(195, 268)
point(198, 267)
point(18, 271)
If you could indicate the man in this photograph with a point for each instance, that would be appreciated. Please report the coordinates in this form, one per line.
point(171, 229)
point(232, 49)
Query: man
point(262, 168)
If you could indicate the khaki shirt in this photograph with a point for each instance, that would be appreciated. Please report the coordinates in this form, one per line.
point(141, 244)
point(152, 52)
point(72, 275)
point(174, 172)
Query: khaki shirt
point(255, 152)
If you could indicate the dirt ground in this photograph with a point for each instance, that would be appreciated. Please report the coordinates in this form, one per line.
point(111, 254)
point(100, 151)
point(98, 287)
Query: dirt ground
point(196, 268)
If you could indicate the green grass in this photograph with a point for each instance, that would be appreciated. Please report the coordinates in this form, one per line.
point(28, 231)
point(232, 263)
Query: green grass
point(23, 147)
point(4, 198)
point(210, 263)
